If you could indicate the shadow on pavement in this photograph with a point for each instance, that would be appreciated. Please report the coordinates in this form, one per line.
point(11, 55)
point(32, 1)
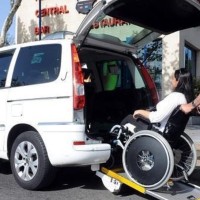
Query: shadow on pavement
point(195, 176)
point(71, 177)
point(5, 167)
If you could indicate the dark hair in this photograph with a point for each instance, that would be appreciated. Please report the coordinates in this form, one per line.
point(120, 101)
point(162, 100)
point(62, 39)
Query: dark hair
point(185, 83)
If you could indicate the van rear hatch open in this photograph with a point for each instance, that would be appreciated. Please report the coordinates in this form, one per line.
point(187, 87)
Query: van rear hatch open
point(145, 20)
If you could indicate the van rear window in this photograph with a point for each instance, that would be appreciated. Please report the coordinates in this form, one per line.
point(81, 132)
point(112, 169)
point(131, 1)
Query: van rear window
point(37, 64)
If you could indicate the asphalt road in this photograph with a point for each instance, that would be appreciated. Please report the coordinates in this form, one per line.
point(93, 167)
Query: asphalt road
point(70, 184)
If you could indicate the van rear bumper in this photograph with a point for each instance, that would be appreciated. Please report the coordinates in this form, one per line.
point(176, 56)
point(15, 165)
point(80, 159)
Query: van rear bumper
point(83, 155)
point(94, 153)
point(61, 149)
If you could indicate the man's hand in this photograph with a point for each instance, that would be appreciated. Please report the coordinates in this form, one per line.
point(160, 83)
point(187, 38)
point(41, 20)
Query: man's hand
point(186, 108)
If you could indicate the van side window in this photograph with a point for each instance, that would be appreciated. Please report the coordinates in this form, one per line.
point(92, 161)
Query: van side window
point(37, 64)
point(5, 59)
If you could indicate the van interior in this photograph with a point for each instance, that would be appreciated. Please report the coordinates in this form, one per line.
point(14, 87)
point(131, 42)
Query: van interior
point(114, 88)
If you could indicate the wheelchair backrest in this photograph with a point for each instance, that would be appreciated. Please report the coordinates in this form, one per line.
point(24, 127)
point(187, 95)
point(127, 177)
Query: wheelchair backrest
point(176, 124)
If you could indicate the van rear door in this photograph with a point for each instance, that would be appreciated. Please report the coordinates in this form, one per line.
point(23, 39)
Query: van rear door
point(139, 21)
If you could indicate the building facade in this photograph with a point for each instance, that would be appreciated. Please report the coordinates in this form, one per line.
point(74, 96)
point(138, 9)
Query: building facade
point(180, 49)
point(56, 15)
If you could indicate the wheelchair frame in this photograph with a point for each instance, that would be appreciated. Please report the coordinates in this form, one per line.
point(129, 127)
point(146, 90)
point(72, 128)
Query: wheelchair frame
point(149, 160)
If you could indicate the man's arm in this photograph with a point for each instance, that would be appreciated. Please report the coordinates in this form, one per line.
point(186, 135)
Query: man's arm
point(186, 108)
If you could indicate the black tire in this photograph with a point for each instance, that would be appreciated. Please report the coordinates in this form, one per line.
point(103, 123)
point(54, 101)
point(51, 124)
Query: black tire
point(29, 162)
point(148, 159)
point(185, 157)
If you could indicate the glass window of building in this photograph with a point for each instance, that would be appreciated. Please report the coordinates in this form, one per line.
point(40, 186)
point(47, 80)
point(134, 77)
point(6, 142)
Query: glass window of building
point(151, 56)
point(190, 59)
point(190, 64)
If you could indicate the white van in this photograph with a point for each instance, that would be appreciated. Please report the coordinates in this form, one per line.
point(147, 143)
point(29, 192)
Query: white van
point(51, 115)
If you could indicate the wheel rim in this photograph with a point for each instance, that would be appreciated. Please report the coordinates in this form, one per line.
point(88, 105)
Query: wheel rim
point(26, 161)
point(146, 160)
point(185, 158)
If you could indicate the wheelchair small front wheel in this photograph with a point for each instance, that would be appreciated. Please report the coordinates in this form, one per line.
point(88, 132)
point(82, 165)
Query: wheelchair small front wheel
point(148, 159)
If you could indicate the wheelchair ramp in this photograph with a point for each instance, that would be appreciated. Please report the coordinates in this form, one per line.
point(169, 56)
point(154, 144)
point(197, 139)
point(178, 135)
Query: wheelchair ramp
point(179, 191)
point(113, 179)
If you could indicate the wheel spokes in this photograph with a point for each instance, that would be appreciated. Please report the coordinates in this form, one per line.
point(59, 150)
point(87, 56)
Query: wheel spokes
point(26, 160)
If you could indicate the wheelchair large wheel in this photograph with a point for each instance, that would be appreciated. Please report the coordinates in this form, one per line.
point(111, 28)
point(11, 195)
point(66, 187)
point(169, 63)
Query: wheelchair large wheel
point(148, 159)
point(185, 157)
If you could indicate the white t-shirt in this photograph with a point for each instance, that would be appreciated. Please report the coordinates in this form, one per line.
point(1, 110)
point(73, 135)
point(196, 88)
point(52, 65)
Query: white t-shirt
point(165, 107)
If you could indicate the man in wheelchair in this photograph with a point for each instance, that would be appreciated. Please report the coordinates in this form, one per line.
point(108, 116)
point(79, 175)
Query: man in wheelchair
point(155, 147)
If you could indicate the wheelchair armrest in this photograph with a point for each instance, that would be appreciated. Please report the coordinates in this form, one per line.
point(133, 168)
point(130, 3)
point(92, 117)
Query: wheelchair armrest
point(147, 122)
point(143, 119)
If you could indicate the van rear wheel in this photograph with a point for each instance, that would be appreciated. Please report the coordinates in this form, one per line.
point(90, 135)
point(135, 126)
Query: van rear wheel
point(29, 162)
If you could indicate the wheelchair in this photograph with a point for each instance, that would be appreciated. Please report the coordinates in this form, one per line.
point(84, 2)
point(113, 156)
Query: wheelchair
point(151, 158)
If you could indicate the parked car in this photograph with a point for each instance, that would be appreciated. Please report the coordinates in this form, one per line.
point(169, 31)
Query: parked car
point(51, 115)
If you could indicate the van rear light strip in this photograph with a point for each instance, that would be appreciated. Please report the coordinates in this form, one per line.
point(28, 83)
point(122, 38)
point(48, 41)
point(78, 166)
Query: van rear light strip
point(79, 143)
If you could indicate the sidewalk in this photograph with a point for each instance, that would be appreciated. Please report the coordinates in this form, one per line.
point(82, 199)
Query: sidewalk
point(194, 132)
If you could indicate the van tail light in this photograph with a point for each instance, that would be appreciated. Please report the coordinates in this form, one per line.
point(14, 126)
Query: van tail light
point(76, 143)
point(78, 81)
